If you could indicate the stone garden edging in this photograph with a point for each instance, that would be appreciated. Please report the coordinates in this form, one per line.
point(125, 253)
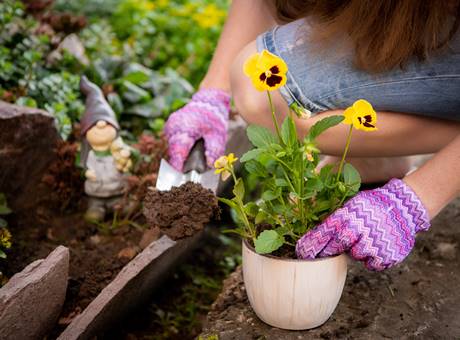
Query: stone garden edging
point(31, 301)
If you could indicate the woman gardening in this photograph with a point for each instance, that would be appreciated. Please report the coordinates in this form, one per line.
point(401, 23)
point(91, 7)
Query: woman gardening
point(403, 57)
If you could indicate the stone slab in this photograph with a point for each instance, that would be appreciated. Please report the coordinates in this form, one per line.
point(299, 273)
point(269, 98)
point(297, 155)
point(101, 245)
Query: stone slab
point(418, 299)
point(131, 287)
point(27, 139)
point(31, 301)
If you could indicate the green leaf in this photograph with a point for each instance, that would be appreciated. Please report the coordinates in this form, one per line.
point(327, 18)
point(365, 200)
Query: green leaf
point(282, 230)
point(26, 101)
point(261, 217)
point(255, 168)
point(289, 132)
point(323, 125)
point(251, 209)
point(260, 136)
point(322, 205)
point(269, 195)
point(136, 77)
point(314, 184)
point(351, 177)
point(2, 254)
point(268, 241)
point(133, 93)
point(281, 182)
point(228, 202)
point(238, 189)
point(115, 102)
point(251, 154)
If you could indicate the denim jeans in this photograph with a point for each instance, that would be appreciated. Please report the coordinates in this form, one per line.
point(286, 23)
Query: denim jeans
point(324, 78)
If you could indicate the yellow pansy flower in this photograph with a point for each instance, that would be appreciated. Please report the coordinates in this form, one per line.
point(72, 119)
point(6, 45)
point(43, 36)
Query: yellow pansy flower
point(266, 71)
point(361, 115)
point(224, 165)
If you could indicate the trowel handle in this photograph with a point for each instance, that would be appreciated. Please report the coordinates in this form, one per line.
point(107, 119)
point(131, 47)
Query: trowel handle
point(196, 159)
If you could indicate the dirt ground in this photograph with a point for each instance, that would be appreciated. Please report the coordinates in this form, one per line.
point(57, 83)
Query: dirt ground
point(418, 299)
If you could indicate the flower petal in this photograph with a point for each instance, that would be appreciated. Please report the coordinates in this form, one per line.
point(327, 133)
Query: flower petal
point(348, 114)
point(221, 162)
point(363, 107)
point(268, 60)
point(250, 66)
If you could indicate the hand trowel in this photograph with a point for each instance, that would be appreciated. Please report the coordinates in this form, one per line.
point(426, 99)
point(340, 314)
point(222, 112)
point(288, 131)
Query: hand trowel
point(195, 170)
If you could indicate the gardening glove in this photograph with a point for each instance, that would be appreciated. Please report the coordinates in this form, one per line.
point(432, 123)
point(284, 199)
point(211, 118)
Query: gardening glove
point(205, 116)
point(376, 226)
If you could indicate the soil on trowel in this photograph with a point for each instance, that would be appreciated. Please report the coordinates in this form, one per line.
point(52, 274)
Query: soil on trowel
point(183, 211)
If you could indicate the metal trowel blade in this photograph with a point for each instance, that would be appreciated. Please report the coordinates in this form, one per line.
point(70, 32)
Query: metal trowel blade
point(169, 177)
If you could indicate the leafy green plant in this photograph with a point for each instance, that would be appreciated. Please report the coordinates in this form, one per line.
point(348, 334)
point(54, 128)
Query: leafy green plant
point(173, 34)
point(295, 195)
point(26, 77)
point(142, 97)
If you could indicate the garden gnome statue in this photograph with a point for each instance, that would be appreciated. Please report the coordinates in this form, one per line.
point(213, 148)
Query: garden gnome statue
point(103, 154)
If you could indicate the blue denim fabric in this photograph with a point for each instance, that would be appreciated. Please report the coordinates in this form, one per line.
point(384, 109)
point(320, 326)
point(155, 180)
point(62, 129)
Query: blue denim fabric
point(327, 80)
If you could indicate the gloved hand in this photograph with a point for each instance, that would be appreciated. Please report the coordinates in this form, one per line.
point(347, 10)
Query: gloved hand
point(205, 116)
point(376, 226)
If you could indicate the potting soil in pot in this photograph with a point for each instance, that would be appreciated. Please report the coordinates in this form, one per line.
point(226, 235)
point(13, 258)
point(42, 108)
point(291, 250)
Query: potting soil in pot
point(183, 211)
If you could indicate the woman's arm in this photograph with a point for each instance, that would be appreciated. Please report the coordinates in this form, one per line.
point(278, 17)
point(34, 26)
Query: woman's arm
point(245, 21)
point(211, 104)
point(437, 182)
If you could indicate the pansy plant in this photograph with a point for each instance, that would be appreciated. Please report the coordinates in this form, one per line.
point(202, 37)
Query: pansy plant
point(296, 195)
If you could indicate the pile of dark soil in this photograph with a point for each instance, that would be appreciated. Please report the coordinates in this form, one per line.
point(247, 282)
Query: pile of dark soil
point(183, 211)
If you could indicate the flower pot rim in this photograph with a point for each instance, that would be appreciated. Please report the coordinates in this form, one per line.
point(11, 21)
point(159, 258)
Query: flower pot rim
point(251, 248)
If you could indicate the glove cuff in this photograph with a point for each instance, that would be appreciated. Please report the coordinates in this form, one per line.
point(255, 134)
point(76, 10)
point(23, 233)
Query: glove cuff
point(217, 98)
point(409, 204)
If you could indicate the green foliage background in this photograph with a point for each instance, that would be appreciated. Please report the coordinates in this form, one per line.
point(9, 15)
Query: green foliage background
point(148, 55)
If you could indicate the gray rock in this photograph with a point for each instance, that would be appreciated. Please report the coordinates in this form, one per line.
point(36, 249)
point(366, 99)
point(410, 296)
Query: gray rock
point(27, 139)
point(31, 301)
point(73, 45)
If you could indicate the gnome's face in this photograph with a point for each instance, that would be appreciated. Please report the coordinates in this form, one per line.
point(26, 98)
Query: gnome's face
point(101, 135)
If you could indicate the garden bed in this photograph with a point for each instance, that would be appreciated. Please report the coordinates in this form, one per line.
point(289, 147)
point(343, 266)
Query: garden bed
point(97, 252)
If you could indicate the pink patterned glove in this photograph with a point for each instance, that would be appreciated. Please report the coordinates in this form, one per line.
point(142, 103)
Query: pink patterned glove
point(205, 116)
point(376, 226)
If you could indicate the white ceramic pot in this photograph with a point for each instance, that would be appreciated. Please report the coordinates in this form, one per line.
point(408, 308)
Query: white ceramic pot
point(293, 294)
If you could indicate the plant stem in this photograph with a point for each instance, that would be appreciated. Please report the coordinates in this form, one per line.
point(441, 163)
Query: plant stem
point(275, 122)
point(240, 203)
point(301, 189)
point(347, 145)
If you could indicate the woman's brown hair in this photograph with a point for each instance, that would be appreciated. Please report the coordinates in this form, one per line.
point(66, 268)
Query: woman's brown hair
point(385, 33)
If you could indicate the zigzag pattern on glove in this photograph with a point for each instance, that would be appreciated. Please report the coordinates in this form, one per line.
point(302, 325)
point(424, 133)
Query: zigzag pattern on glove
point(376, 226)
